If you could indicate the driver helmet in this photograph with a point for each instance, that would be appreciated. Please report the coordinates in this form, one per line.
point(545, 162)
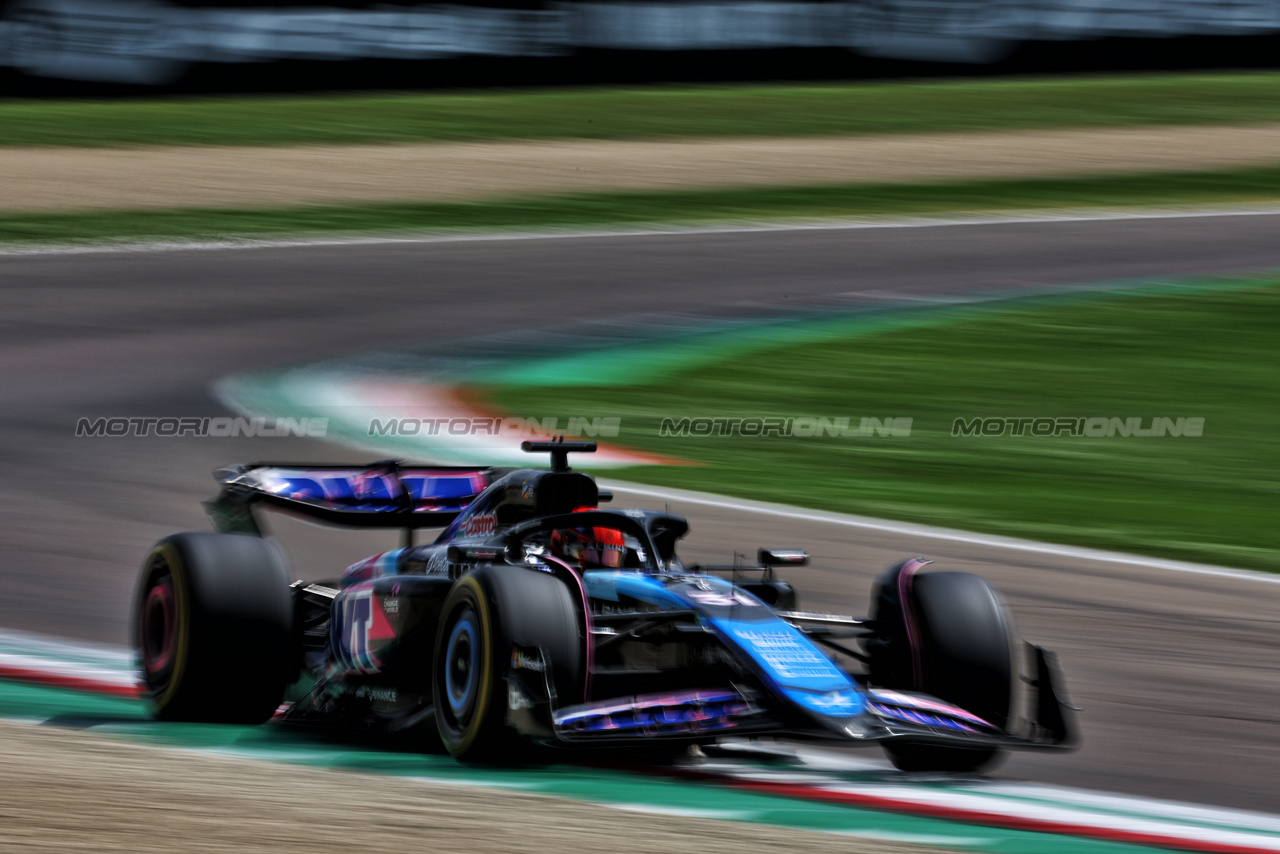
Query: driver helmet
point(590, 548)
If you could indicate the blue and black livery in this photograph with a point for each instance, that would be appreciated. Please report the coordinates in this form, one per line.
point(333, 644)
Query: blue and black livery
point(494, 637)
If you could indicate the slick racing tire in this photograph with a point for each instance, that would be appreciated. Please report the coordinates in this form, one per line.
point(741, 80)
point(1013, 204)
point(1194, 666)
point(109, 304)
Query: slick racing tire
point(964, 643)
point(489, 614)
point(213, 628)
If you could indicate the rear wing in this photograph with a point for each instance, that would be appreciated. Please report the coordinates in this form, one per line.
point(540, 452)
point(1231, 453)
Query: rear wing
point(383, 494)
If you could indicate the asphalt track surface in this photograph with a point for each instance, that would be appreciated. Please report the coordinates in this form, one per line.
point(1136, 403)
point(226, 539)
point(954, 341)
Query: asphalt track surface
point(1177, 673)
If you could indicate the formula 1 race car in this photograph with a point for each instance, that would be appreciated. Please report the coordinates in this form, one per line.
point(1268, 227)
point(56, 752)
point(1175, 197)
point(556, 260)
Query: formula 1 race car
point(536, 618)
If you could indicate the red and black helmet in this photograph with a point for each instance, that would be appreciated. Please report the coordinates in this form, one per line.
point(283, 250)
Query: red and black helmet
point(590, 548)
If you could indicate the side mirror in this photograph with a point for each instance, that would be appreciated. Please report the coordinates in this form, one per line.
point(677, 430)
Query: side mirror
point(783, 557)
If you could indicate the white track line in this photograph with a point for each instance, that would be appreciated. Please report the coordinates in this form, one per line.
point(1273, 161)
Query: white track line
point(1167, 820)
point(1170, 810)
point(784, 511)
point(67, 669)
point(100, 655)
point(657, 229)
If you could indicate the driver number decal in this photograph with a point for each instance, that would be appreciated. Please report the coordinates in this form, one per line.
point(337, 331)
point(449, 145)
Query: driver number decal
point(354, 630)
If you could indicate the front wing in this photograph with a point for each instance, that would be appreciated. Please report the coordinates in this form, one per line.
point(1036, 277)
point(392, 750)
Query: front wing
point(887, 716)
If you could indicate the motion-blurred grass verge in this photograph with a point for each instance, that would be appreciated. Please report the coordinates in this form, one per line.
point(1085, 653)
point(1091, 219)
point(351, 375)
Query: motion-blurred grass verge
point(752, 205)
point(620, 113)
point(1202, 350)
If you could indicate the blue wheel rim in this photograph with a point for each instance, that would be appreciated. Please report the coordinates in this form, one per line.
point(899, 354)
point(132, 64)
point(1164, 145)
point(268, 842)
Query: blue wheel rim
point(462, 660)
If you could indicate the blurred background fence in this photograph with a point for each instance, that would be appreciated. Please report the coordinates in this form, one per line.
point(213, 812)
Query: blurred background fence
point(150, 43)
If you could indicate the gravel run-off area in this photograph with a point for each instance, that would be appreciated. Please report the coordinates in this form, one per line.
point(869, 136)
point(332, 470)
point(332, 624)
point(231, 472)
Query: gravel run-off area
point(65, 790)
point(53, 179)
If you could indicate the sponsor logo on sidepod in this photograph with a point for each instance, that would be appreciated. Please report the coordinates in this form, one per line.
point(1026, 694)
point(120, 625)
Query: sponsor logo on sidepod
point(521, 660)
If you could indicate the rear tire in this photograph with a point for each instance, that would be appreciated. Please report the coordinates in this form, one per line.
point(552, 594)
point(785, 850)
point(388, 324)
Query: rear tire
point(488, 613)
point(964, 656)
point(213, 628)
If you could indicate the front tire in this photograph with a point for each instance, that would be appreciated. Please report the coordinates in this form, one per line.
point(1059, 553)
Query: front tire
point(962, 653)
point(213, 628)
point(489, 613)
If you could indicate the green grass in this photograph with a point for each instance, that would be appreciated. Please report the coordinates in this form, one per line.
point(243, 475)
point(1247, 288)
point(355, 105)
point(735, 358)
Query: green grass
point(604, 209)
point(1206, 351)
point(618, 113)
